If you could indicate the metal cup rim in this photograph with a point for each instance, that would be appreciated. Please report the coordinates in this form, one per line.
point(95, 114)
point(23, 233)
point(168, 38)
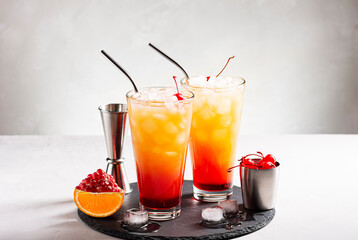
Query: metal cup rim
point(277, 166)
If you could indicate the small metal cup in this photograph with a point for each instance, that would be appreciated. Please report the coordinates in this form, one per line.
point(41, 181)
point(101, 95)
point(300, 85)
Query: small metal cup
point(259, 187)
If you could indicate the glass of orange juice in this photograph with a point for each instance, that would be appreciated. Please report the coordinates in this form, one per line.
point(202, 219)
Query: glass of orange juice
point(214, 133)
point(160, 129)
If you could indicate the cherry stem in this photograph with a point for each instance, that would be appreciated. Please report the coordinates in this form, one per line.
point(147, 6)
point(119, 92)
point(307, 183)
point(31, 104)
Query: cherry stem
point(170, 59)
point(253, 155)
point(229, 169)
point(120, 68)
point(241, 159)
point(225, 65)
point(176, 84)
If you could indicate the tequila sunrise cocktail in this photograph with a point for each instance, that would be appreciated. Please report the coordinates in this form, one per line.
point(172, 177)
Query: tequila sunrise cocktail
point(160, 127)
point(214, 132)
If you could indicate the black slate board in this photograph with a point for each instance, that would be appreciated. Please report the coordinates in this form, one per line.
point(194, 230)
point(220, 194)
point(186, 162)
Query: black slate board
point(186, 226)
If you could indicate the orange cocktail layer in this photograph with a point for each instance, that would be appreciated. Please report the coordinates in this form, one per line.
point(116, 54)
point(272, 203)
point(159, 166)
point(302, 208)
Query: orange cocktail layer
point(160, 137)
point(214, 133)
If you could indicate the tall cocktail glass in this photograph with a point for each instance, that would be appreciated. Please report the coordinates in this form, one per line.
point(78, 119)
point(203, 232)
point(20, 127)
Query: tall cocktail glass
point(214, 133)
point(160, 129)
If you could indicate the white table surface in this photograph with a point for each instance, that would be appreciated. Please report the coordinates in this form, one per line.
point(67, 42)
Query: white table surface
point(317, 194)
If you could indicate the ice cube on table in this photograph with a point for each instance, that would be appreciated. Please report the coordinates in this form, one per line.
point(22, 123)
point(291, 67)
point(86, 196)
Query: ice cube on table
point(230, 206)
point(135, 217)
point(214, 214)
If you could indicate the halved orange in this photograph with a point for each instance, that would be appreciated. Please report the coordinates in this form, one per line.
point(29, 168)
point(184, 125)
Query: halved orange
point(101, 204)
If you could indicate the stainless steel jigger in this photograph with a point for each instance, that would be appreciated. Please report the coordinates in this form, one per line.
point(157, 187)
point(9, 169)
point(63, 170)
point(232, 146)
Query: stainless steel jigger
point(114, 118)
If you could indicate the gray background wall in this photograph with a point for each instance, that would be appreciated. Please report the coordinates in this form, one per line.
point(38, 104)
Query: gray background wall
point(300, 59)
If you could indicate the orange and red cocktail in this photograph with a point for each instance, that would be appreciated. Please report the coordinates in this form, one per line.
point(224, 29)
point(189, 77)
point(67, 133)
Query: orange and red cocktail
point(214, 133)
point(160, 128)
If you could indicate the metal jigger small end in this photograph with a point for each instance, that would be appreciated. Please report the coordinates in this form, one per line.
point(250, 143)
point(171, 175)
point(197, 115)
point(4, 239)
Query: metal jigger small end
point(115, 167)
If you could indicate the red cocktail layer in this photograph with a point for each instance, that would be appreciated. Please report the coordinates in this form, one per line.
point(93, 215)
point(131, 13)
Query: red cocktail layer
point(210, 167)
point(212, 187)
point(160, 191)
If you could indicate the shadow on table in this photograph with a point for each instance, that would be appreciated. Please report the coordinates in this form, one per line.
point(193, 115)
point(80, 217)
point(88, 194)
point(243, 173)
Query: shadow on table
point(70, 226)
point(56, 220)
point(47, 204)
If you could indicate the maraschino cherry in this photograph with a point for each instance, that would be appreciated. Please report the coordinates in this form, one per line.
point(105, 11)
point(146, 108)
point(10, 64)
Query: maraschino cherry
point(178, 94)
point(261, 162)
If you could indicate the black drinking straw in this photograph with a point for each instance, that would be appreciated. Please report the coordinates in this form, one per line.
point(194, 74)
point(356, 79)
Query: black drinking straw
point(170, 59)
point(120, 68)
